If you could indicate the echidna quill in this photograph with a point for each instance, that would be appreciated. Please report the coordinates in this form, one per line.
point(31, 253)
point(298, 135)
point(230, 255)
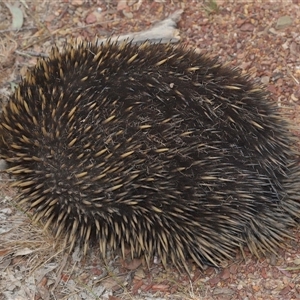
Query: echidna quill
point(153, 147)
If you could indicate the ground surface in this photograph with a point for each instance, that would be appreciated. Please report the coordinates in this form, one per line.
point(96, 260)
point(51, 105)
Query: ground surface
point(262, 38)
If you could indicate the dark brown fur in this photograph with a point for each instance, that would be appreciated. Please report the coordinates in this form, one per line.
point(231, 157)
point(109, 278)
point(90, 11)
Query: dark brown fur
point(151, 146)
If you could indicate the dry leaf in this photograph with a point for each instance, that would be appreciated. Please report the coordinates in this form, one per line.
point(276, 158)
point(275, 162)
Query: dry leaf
point(17, 16)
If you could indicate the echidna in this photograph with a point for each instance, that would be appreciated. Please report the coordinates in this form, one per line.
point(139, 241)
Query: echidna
point(155, 147)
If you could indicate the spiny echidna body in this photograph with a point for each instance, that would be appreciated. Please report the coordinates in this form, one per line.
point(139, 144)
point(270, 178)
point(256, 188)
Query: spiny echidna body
point(154, 147)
